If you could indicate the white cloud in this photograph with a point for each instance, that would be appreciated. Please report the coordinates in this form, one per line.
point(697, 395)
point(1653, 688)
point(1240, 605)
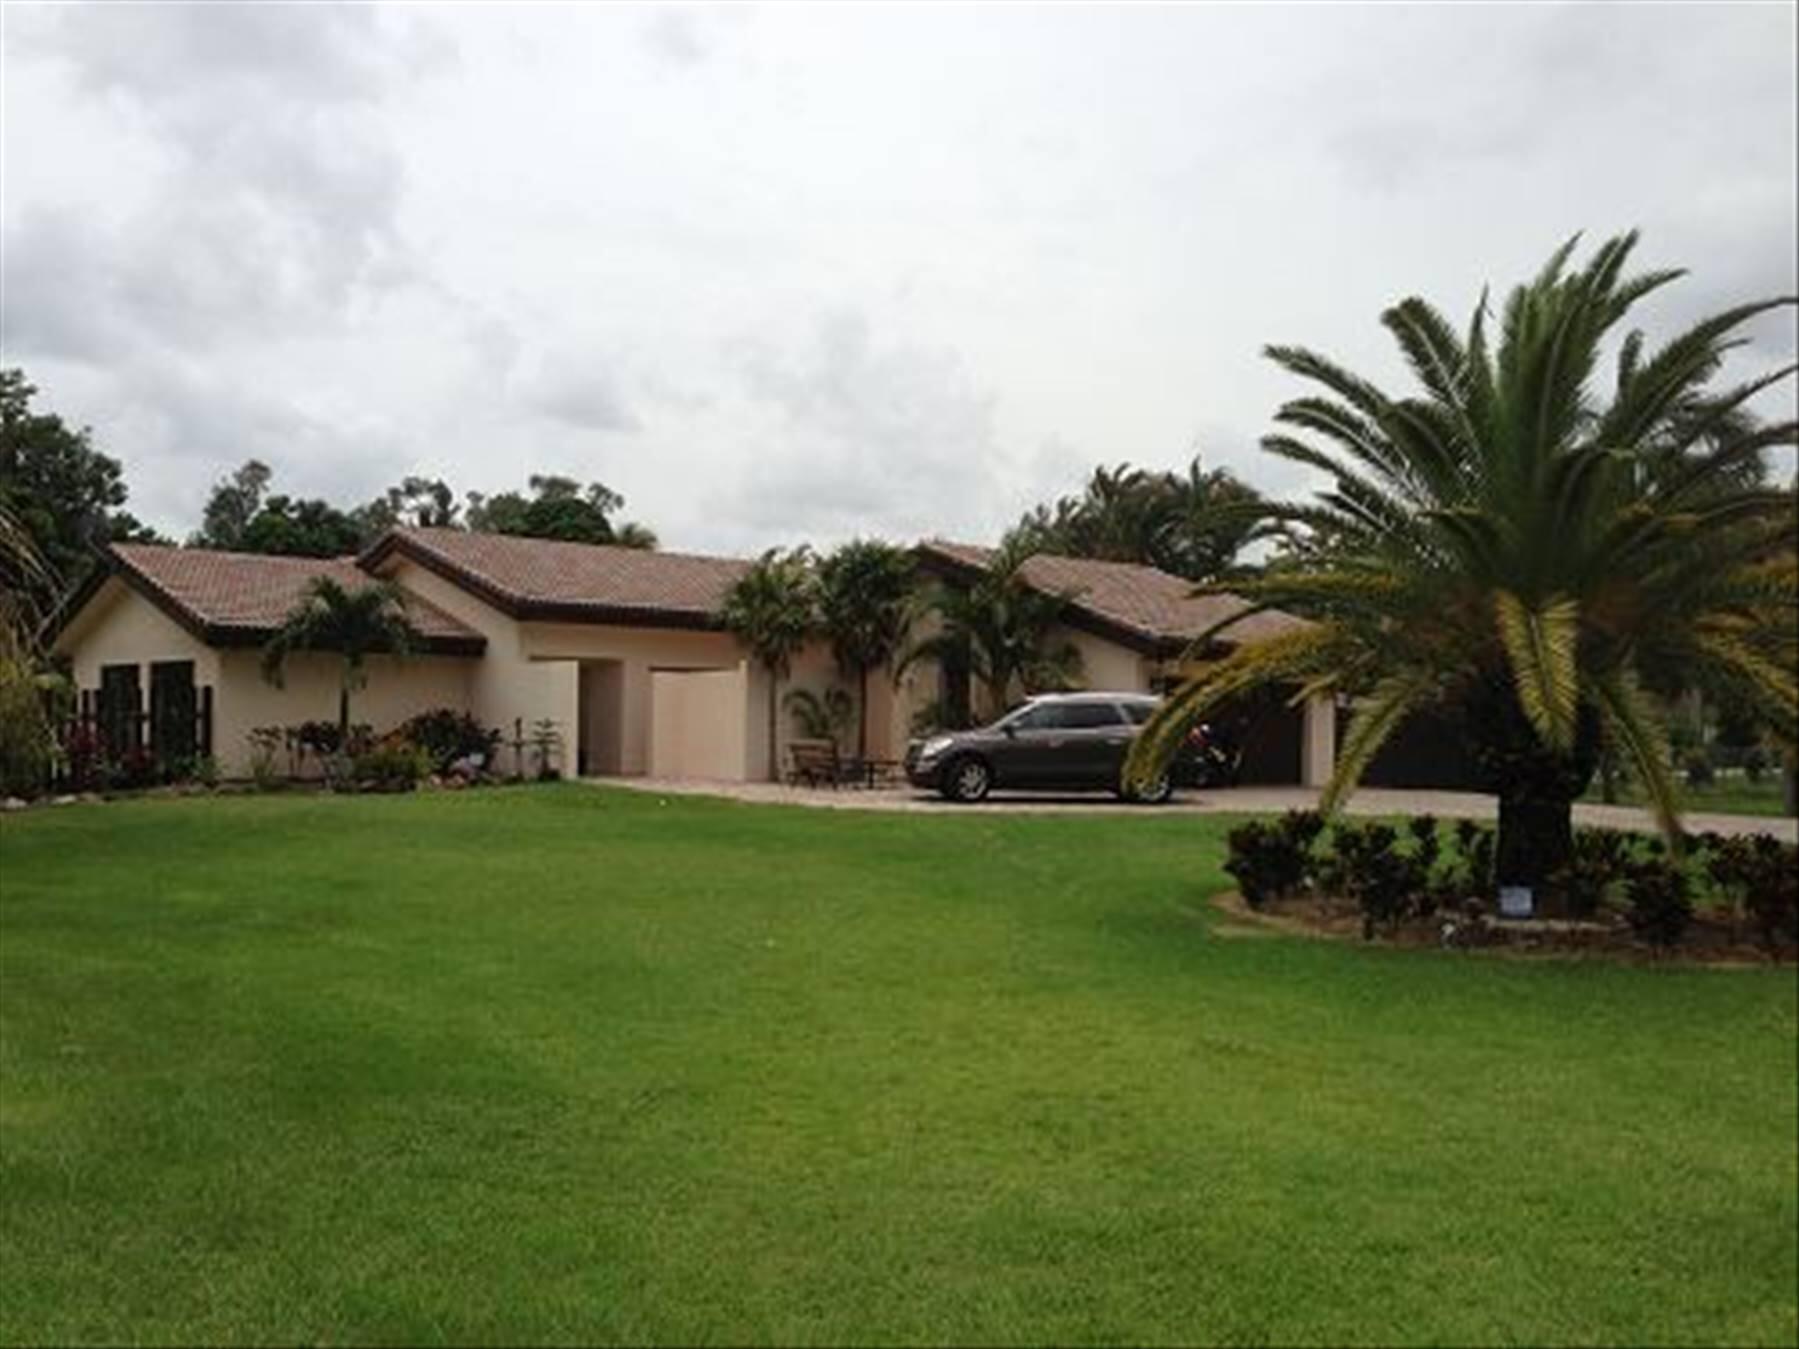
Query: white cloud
point(796, 271)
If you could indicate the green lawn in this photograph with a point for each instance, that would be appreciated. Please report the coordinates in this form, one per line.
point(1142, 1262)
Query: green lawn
point(1729, 794)
point(582, 1065)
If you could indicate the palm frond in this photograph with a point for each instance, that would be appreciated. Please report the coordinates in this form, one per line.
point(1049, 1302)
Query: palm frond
point(1542, 646)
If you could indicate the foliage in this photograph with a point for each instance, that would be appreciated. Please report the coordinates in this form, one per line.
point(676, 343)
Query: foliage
point(1476, 846)
point(1696, 763)
point(1658, 895)
point(266, 744)
point(394, 765)
point(288, 527)
point(818, 717)
point(1273, 861)
point(1755, 763)
point(1518, 549)
point(546, 744)
point(1001, 630)
point(1759, 876)
point(1365, 864)
point(354, 624)
point(558, 508)
point(232, 504)
point(448, 736)
point(1194, 525)
point(864, 610)
point(423, 503)
point(773, 609)
point(1593, 869)
point(26, 743)
point(59, 497)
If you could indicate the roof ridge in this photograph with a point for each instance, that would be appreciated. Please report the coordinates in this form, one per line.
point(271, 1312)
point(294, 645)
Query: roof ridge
point(534, 541)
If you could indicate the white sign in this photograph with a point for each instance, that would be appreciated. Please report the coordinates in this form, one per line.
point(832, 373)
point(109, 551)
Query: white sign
point(1515, 901)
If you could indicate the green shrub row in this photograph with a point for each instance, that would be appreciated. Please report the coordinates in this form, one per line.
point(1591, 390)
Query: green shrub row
point(1395, 875)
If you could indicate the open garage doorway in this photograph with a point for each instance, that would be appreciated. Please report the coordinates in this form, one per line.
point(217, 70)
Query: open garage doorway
point(600, 742)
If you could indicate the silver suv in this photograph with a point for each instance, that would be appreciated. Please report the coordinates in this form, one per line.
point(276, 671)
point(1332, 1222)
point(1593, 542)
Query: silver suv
point(1058, 741)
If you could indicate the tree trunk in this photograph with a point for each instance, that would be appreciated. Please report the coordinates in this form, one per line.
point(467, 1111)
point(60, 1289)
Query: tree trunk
point(343, 718)
point(862, 718)
point(1536, 840)
point(774, 762)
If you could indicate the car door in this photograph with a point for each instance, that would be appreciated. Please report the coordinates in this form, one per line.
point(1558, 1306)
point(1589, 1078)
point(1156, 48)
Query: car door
point(1023, 757)
point(1092, 741)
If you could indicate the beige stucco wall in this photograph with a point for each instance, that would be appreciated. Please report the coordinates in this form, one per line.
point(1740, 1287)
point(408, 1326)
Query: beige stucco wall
point(118, 626)
point(396, 690)
point(1107, 665)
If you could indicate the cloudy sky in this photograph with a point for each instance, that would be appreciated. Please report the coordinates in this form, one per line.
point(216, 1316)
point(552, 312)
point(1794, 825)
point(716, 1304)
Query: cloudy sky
point(796, 272)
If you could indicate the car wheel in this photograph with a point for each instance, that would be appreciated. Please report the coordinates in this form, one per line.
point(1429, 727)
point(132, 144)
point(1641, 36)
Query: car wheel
point(1157, 793)
point(967, 780)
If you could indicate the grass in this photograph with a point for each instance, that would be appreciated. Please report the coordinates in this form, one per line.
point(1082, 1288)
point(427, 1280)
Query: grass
point(1728, 794)
point(582, 1065)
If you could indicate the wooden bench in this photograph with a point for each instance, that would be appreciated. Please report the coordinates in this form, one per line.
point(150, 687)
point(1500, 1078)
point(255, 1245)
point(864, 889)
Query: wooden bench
point(814, 763)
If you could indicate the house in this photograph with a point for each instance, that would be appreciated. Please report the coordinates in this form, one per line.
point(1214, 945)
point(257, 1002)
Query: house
point(622, 649)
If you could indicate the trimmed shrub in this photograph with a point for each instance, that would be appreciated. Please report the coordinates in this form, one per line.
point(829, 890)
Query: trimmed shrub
point(449, 736)
point(1596, 866)
point(1273, 861)
point(1660, 909)
point(393, 766)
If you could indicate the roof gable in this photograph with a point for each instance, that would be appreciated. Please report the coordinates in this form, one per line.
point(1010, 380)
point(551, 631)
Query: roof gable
point(239, 599)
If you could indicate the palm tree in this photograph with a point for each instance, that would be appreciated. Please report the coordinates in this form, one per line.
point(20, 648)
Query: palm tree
point(1525, 551)
point(1001, 630)
point(773, 609)
point(355, 623)
point(865, 607)
point(1193, 524)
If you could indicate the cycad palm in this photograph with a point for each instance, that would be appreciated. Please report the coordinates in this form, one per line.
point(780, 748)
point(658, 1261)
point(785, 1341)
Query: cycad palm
point(1510, 546)
point(352, 623)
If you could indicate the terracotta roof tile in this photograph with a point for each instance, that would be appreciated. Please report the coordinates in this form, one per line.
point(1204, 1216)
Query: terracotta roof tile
point(1153, 604)
point(248, 593)
point(548, 577)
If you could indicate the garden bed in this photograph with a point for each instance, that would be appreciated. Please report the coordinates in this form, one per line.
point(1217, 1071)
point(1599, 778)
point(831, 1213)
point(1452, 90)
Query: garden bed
point(1709, 900)
point(1708, 941)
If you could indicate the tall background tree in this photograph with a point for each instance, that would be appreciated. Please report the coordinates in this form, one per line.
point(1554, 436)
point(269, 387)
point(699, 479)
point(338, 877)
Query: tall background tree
point(1525, 548)
point(351, 623)
point(559, 508)
point(1000, 631)
point(773, 609)
point(865, 605)
point(62, 496)
point(1195, 524)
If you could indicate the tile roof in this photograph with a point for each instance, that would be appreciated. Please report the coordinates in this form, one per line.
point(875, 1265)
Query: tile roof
point(1145, 605)
point(242, 597)
point(551, 579)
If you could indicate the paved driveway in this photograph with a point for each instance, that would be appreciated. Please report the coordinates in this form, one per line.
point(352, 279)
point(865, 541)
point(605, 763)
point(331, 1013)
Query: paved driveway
point(1233, 800)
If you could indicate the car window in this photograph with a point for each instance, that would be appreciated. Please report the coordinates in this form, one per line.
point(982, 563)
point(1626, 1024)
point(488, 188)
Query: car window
point(1137, 713)
point(1081, 716)
point(1030, 718)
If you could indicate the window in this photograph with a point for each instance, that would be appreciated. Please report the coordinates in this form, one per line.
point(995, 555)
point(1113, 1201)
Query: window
point(174, 709)
point(120, 709)
point(1087, 716)
point(1066, 717)
point(1138, 713)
